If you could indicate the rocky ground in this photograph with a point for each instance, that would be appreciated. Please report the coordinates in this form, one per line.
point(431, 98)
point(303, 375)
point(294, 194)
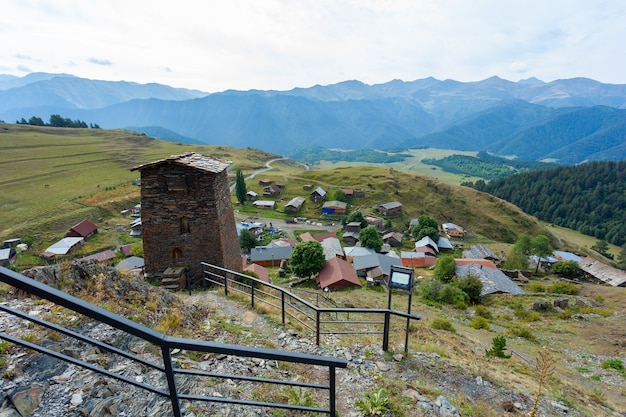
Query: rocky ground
point(36, 385)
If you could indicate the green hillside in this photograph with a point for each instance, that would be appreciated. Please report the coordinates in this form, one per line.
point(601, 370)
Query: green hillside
point(54, 177)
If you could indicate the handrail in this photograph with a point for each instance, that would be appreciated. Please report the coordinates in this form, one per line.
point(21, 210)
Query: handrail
point(316, 322)
point(166, 344)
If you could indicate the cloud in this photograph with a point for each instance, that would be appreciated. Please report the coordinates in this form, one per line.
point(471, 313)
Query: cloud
point(99, 61)
point(24, 68)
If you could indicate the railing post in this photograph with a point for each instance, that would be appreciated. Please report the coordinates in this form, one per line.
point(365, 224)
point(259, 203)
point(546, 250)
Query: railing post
point(252, 293)
point(317, 327)
point(386, 331)
point(331, 377)
point(225, 283)
point(171, 381)
point(282, 305)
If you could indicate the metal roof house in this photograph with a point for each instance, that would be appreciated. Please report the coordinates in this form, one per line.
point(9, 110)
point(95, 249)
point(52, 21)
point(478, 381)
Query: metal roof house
point(494, 281)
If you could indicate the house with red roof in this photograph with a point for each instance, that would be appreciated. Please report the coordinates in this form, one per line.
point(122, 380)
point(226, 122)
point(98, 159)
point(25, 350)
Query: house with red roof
point(84, 229)
point(337, 273)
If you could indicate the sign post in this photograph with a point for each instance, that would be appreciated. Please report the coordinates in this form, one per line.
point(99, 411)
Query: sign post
point(401, 278)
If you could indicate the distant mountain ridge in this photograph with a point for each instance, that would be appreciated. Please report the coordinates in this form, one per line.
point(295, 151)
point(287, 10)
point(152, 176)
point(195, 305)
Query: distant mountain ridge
point(565, 121)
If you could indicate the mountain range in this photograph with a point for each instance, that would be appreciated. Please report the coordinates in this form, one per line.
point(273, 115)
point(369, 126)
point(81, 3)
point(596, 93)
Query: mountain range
point(564, 121)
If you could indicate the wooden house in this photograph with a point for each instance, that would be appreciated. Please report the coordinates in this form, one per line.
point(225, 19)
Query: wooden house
point(392, 208)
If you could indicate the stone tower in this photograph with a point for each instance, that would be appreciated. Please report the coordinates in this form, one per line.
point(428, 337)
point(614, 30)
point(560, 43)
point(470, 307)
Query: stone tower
point(187, 216)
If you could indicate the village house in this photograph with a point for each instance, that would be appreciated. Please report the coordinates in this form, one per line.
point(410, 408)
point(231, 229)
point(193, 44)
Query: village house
point(272, 190)
point(105, 257)
point(350, 238)
point(260, 271)
point(337, 273)
point(8, 256)
point(334, 207)
point(374, 221)
point(375, 267)
point(265, 182)
point(602, 273)
point(417, 259)
point(264, 204)
point(84, 229)
point(494, 281)
point(453, 231)
point(187, 215)
point(332, 248)
point(393, 239)
point(318, 195)
point(252, 195)
point(392, 208)
point(135, 228)
point(294, 205)
point(270, 256)
point(65, 246)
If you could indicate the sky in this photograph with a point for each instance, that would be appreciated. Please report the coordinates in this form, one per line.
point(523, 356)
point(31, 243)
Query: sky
point(282, 44)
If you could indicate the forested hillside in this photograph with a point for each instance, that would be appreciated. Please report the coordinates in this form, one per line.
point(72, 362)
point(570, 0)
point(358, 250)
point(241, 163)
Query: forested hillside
point(588, 197)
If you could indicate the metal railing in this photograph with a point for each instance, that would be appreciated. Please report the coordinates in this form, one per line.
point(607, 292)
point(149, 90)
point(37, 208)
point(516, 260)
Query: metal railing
point(316, 320)
point(168, 388)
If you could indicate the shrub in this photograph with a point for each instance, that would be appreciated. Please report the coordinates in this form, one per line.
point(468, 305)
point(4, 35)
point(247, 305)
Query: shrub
point(482, 311)
point(613, 364)
point(442, 324)
point(536, 287)
point(375, 403)
point(523, 333)
point(563, 288)
point(479, 323)
point(472, 286)
point(451, 294)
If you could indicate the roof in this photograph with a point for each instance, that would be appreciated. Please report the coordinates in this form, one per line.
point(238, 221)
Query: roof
point(101, 256)
point(192, 160)
point(356, 251)
point(63, 246)
point(374, 260)
point(426, 241)
point(322, 236)
point(478, 261)
point(84, 228)
point(494, 281)
point(604, 272)
point(296, 202)
point(260, 270)
point(125, 249)
point(337, 273)
point(479, 251)
point(252, 193)
point(264, 253)
point(335, 203)
point(451, 226)
point(332, 247)
point(567, 256)
point(264, 203)
point(6, 253)
point(132, 262)
point(306, 236)
point(319, 191)
point(444, 243)
point(390, 205)
point(396, 235)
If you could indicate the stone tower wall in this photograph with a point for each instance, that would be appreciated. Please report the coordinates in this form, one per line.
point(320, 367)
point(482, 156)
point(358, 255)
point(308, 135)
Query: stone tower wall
point(187, 218)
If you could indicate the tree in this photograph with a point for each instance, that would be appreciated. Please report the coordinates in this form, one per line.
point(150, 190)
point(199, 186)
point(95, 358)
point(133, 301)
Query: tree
point(541, 247)
point(601, 247)
point(472, 286)
point(247, 240)
point(445, 268)
point(307, 259)
point(240, 187)
point(36, 121)
point(567, 269)
point(426, 226)
point(340, 195)
point(356, 216)
point(370, 238)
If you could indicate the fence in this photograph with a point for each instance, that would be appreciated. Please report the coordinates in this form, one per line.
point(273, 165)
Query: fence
point(316, 320)
point(168, 387)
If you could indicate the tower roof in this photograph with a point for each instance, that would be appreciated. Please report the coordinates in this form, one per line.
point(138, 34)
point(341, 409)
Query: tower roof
point(191, 159)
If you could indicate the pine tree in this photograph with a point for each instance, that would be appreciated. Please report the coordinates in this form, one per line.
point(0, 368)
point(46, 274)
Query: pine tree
point(240, 187)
